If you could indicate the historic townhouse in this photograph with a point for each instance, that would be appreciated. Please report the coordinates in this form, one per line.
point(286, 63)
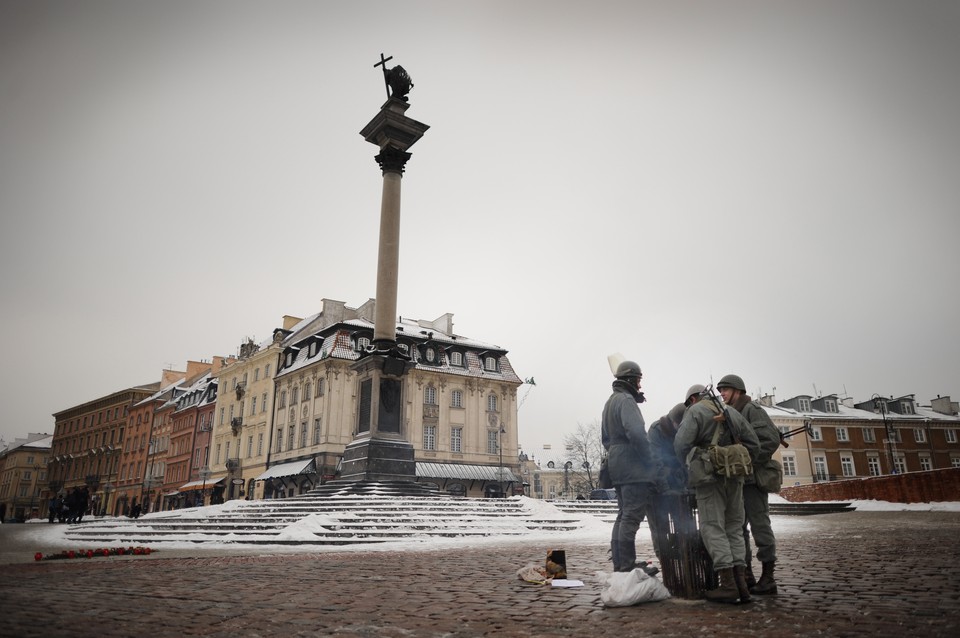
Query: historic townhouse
point(241, 440)
point(23, 478)
point(132, 483)
point(189, 441)
point(460, 406)
point(87, 445)
point(840, 439)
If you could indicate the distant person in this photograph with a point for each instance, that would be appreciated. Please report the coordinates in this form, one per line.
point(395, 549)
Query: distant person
point(83, 502)
point(628, 460)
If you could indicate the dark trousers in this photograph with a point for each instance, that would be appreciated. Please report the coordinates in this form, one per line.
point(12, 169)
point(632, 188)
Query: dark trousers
point(633, 500)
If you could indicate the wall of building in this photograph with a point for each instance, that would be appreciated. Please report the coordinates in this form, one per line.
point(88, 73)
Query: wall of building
point(912, 487)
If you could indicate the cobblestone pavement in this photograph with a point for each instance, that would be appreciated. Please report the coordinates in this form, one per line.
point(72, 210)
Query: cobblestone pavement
point(848, 574)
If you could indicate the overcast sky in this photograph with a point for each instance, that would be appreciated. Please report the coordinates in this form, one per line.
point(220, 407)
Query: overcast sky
point(764, 188)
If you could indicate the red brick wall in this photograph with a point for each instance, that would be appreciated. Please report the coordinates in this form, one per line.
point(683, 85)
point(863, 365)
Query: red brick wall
point(912, 487)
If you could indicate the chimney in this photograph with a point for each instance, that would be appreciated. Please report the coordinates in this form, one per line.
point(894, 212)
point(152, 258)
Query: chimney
point(289, 321)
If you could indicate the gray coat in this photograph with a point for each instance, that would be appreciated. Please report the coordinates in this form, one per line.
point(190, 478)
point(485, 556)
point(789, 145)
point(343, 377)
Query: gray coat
point(767, 433)
point(624, 437)
point(698, 427)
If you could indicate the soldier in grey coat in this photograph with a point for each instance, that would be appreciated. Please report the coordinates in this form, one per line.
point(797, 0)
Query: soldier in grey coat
point(719, 498)
point(628, 460)
point(756, 505)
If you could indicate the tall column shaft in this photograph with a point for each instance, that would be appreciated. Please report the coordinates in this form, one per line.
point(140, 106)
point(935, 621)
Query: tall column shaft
point(388, 260)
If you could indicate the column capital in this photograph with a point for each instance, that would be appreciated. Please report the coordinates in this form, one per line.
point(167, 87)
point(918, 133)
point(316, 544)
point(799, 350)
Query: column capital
point(392, 160)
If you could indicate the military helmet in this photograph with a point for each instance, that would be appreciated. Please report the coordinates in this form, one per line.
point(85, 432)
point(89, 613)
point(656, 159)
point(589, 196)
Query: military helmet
point(695, 389)
point(731, 381)
point(676, 414)
point(628, 369)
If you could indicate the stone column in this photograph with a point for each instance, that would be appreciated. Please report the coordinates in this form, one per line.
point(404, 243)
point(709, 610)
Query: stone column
point(380, 450)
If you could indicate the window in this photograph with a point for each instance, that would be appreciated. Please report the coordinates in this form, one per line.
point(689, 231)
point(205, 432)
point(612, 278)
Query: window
point(429, 437)
point(256, 374)
point(226, 451)
point(266, 371)
point(283, 399)
point(492, 447)
point(294, 394)
point(26, 475)
point(490, 364)
point(221, 416)
point(430, 395)
point(431, 355)
point(492, 403)
point(363, 343)
point(263, 403)
point(789, 465)
point(925, 464)
point(319, 387)
point(249, 446)
point(316, 431)
point(868, 435)
point(279, 439)
point(901, 464)
point(830, 405)
point(820, 468)
point(816, 434)
point(919, 435)
point(456, 399)
point(217, 458)
point(456, 359)
point(803, 405)
point(303, 434)
point(906, 407)
point(895, 435)
point(253, 405)
point(873, 465)
point(291, 436)
point(846, 465)
point(260, 444)
point(955, 461)
point(307, 387)
point(842, 434)
point(456, 440)
point(951, 436)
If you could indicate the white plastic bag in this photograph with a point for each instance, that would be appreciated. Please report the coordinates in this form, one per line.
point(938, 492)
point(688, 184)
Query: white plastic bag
point(622, 589)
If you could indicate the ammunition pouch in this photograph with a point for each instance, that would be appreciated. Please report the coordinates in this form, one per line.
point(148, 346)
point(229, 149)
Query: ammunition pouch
point(769, 476)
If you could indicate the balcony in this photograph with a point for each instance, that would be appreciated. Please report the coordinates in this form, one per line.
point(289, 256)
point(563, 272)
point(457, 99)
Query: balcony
point(235, 424)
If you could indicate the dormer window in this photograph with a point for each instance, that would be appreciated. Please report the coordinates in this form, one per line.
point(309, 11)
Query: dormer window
point(313, 349)
point(906, 407)
point(456, 358)
point(430, 355)
point(803, 405)
point(490, 364)
point(289, 359)
point(363, 343)
point(830, 405)
point(404, 348)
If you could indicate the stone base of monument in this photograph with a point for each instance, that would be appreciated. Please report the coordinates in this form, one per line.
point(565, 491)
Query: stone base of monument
point(685, 564)
point(379, 459)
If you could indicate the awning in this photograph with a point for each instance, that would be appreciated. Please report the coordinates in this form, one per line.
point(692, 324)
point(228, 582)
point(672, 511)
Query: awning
point(199, 485)
point(465, 472)
point(287, 469)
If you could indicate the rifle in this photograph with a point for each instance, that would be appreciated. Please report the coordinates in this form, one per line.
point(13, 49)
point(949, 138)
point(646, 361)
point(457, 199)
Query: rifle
point(722, 407)
point(785, 435)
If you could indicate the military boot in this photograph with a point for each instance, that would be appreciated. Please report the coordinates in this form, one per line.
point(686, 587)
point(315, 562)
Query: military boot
point(740, 577)
point(766, 586)
point(727, 591)
point(751, 579)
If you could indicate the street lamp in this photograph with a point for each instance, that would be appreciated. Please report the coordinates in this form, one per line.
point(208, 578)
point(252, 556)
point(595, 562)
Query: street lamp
point(33, 495)
point(500, 446)
point(204, 474)
point(881, 404)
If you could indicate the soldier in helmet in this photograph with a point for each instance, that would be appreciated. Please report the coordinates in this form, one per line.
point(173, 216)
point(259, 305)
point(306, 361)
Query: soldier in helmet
point(671, 475)
point(630, 465)
point(693, 394)
point(755, 501)
point(719, 498)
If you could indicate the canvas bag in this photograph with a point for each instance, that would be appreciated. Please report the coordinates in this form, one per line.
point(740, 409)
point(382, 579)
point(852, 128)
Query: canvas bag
point(769, 476)
point(705, 464)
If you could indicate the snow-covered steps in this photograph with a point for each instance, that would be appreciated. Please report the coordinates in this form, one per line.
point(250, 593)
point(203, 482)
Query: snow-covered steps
point(336, 520)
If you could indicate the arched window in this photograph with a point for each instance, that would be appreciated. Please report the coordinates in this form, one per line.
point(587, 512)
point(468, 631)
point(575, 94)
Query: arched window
point(490, 364)
point(456, 358)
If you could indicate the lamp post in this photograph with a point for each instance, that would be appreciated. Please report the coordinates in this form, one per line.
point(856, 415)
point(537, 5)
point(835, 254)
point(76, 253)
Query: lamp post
point(566, 479)
point(500, 446)
point(33, 494)
point(881, 404)
point(204, 475)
